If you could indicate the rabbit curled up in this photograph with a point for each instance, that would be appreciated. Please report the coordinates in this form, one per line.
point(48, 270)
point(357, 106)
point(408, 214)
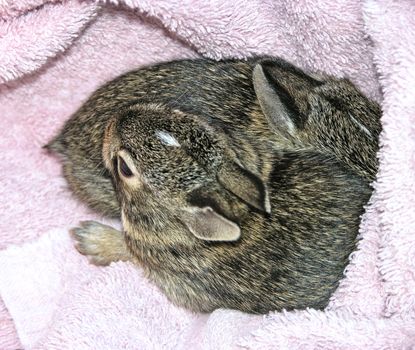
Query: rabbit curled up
point(240, 184)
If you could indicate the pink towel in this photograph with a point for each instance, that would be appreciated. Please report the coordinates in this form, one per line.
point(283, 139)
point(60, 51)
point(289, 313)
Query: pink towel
point(53, 54)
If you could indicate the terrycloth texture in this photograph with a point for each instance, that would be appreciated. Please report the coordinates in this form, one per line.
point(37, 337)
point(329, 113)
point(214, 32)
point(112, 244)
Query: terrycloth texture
point(54, 54)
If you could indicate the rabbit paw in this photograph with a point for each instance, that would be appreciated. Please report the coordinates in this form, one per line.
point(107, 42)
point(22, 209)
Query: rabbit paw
point(101, 244)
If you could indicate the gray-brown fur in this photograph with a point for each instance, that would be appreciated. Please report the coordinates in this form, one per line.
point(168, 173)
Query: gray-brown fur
point(239, 150)
point(222, 91)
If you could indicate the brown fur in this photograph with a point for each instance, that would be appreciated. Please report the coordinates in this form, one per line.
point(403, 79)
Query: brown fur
point(238, 149)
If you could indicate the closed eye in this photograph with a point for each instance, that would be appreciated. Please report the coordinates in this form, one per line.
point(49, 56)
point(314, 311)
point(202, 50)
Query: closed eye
point(340, 106)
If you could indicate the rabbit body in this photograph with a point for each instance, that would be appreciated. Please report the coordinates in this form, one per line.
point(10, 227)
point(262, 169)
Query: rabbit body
point(240, 183)
point(224, 91)
point(214, 90)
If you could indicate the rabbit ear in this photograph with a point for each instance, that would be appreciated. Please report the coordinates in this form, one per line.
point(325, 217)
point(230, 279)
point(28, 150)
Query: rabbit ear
point(206, 224)
point(245, 185)
point(283, 91)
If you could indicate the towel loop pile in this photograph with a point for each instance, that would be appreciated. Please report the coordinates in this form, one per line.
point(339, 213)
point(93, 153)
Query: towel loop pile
point(53, 54)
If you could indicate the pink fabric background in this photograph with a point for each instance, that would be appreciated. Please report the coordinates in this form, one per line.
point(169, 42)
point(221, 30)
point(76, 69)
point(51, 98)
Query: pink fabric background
point(53, 54)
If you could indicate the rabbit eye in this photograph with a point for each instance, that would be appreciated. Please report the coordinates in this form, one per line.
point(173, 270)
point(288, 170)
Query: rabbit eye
point(123, 168)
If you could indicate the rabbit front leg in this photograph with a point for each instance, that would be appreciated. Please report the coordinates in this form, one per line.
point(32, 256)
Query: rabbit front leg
point(102, 244)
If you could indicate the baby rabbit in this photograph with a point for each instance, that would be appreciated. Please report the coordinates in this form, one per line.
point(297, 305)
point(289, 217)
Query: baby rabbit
point(330, 114)
point(240, 183)
point(216, 230)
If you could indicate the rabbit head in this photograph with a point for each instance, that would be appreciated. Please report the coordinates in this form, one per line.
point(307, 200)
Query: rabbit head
point(323, 112)
point(171, 166)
